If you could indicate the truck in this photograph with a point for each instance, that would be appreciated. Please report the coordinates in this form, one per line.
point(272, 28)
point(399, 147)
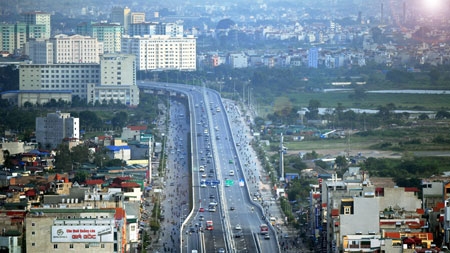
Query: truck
point(209, 225)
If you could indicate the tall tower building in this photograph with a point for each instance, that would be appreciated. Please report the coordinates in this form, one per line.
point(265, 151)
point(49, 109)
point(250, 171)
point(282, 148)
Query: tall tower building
point(38, 18)
point(313, 57)
point(121, 16)
point(162, 52)
point(109, 34)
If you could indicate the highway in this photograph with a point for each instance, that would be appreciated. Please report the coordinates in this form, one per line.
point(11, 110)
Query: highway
point(219, 187)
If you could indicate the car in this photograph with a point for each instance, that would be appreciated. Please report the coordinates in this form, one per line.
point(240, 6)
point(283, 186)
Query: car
point(213, 203)
point(203, 175)
point(232, 208)
point(201, 209)
point(201, 217)
point(201, 169)
point(238, 234)
point(231, 172)
point(238, 227)
point(221, 250)
point(266, 237)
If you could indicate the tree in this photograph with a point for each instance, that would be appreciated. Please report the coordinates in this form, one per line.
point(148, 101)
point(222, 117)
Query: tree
point(120, 119)
point(63, 159)
point(313, 110)
point(81, 176)
point(341, 162)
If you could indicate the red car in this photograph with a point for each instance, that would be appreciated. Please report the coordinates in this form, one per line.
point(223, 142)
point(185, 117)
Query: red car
point(201, 209)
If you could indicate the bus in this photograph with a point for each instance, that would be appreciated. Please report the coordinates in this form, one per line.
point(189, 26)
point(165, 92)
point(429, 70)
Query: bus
point(264, 229)
point(209, 225)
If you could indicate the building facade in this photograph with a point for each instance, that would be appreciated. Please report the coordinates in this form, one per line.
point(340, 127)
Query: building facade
point(40, 51)
point(53, 77)
point(77, 230)
point(38, 18)
point(156, 28)
point(121, 16)
point(53, 129)
point(76, 49)
point(14, 36)
point(162, 52)
point(109, 34)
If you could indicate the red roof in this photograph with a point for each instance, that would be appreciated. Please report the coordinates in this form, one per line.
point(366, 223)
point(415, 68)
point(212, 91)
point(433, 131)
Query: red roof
point(120, 214)
point(411, 189)
point(94, 182)
point(30, 193)
point(137, 128)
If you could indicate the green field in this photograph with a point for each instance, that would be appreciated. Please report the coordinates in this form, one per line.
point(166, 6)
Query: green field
point(371, 101)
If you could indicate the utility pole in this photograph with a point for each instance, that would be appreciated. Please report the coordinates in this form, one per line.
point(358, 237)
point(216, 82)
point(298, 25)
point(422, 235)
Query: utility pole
point(281, 158)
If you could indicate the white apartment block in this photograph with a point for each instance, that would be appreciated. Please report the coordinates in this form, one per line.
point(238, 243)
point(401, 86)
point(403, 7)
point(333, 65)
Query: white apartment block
point(156, 28)
point(114, 77)
point(64, 49)
point(162, 52)
point(53, 129)
point(57, 77)
point(76, 49)
point(118, 69)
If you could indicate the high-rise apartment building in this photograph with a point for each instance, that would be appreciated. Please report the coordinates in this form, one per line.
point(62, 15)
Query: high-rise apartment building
point(118, 69)
point(117, 83)
point(14, 36)
point(7, 38)
point(39, 51)
point(64, 49)
point(162, 52)
point(109, 34)
point(156, 28)
point(313, 57)
point(38, 18)
point(53, 129)
point(121, 16)
point(76, 49)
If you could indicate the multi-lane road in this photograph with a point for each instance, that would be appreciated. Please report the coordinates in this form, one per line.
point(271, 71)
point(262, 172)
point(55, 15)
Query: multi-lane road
point(219, 184)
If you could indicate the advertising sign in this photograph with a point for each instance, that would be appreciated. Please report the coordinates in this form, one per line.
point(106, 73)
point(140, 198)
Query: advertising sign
point(82, 234)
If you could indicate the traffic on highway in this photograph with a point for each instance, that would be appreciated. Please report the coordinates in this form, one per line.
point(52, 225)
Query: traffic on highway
point(224, 215)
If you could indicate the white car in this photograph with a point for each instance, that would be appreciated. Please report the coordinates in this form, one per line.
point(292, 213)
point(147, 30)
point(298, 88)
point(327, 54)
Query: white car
point(231, 172)
point(238, 227)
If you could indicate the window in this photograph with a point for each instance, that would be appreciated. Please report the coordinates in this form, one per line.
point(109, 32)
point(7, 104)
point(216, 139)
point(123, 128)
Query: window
point(86, 246)
point(33, 244)
point(33, 224)
point(33, 233)
point(71, 246)
point(102, 245)
point(347, 209)
point(55, 246)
